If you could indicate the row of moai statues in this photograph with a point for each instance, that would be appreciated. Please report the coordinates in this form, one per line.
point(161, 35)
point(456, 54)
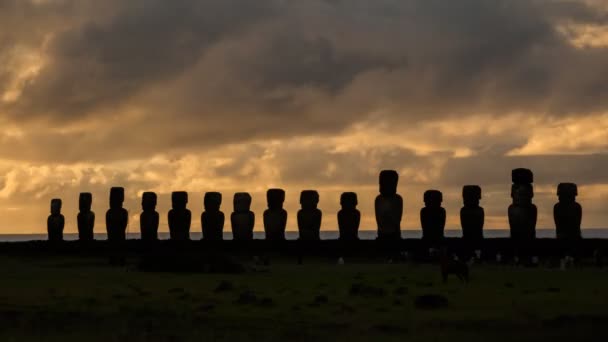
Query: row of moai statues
point(388, 211)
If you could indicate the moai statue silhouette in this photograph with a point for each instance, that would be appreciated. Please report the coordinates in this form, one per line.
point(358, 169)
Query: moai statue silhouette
point(55, 221)
point(309, 217)
point(86, 218)
point(472, 216)
point(212, 219)
point(389, 207)
point(117, 217)
point(567, 213)
point(432, 216)
point(149, 218)
point(179, 217)
point(275, 217)
point(349, 217)
point(242, 219)
point(522, 213)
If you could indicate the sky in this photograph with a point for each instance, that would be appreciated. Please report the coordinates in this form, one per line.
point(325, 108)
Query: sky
point(240, 95)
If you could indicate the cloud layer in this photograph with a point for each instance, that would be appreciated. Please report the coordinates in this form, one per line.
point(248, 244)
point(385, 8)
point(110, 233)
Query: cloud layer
point(242, 95)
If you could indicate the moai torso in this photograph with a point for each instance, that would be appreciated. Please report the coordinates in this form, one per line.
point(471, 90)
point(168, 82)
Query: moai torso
point(275, 217)
point(55, 221)
point(349, 217)
point(389, 210)
point(309, 217)
point(389, 206)
point(472, 216)
point(149, 218)
point(522, 220)
point(567, 213)
point(117, 217)
point(212, 219)
point(432, 217)
point(86, 218)
point(522, 213)
point(242, 219)
point(179, 217)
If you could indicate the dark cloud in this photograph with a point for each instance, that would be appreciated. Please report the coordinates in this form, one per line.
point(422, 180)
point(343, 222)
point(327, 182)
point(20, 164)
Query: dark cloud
point(320, 66)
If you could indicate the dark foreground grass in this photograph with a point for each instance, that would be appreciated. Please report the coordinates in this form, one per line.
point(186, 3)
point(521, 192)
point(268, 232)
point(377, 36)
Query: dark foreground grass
point(70, 299)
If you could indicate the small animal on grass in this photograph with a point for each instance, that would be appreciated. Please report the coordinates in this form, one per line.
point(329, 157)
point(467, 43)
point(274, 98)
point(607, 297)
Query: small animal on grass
point(450, 266)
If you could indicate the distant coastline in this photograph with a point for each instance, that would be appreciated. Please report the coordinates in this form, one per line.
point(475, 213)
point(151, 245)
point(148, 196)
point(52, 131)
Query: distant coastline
point(590, 233)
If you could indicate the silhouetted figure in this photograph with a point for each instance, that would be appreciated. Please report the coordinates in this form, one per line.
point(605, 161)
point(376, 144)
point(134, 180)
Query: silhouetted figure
point(450, 266)
point(242, 219)
point(472, 216)
point(55, 221)
point(86, 218)
point(522, 213)
point(309, 217)
point(567, 213)
point(349, 217)
point(117, 217)
point(389, 207)
point(179, 217)
point(149, 218)
point(432, 216)
point(212, 219)
point(275, 217)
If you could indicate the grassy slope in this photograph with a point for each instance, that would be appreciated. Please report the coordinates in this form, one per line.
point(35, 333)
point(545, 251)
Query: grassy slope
point(71, 299)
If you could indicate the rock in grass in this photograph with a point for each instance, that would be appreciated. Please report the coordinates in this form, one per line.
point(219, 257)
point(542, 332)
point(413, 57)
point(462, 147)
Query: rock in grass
point(247, 297)
point(321, 299)
point(360, 289)
point(431, 302)
point(224, 286)
point(266, 302)
point(401, 290)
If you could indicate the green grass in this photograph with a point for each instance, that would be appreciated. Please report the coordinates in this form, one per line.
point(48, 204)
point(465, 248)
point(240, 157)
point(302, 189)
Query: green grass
point(63, 299)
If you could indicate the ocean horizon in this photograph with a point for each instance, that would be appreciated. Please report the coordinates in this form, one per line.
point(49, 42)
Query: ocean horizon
point(589, 233)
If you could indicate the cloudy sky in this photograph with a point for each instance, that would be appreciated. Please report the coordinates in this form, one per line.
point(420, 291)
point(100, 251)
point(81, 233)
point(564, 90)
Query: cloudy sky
point(240, 95)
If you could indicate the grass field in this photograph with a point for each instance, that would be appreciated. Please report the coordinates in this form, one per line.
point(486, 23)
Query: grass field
point(69, 299)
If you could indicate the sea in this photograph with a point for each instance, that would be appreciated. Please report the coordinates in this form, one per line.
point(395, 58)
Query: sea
point(589, 233)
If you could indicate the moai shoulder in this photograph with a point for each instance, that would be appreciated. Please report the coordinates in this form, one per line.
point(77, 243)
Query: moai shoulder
point(567, 213)
point(275, 217)
point(242, 219)
point(149, 218)
point(388, 206)
point(349, 217)
point(117, 217)
point(55, 221)
point(472, 216)
point(86, 217)
point(309, 217)
point(522, 213)
point(212, 219)
point(179, 217)
point(433, 216)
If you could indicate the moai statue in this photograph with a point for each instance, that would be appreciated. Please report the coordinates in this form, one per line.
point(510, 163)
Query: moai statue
point(432, 216)
point(149, 218)
point(117, 217)
point(212, 219)
point(309, 217)
point(242, 219)
point(389, 207)
point(275, 217)
point(567, 213)
point(55, 222)
point(349, 217)
point(179, 217)
point(522, 213)
point(472, 215)
point(86, 218)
